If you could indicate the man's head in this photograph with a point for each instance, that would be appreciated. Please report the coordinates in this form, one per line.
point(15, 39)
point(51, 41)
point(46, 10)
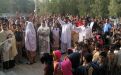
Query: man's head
point(66, 19)
point(102, 57)
point(4, 26)
point(88, 58)
point(107, 20)
point(84, 22)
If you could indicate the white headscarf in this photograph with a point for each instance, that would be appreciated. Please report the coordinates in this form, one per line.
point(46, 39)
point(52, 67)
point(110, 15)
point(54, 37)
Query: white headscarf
point(30, 28)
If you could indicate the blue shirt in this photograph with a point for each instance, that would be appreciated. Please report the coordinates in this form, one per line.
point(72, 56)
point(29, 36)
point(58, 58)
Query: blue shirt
point(107, 27)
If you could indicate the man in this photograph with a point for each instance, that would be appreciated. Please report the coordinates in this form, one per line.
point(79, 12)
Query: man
point(84, 32)
point(66, 34)
point(7, 45)
point(44, 40)
point(107, 27)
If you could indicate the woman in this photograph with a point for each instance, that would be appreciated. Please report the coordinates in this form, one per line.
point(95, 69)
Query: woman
point(57, 62)
point(30, 42)
point(43, 36)
point(56, 36)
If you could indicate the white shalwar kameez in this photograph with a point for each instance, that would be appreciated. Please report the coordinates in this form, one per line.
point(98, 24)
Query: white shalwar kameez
point(84, 33)
point(65, 35)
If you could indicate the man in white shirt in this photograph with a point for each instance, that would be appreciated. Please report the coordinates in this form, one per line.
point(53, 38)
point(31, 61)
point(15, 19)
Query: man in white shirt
point(66, 34)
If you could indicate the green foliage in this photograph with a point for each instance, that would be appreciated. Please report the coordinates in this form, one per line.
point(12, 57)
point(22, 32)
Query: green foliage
point(16, 5)
point(100, 8)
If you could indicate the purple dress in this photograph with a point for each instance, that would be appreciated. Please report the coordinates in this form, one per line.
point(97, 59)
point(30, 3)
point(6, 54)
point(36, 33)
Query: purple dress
point(30, 37)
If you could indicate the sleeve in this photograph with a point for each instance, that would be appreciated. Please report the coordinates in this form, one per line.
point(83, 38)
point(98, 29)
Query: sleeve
point(60, 21)
point(77, 29)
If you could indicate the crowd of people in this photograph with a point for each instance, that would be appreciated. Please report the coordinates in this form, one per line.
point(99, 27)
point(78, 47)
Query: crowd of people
point(67, 45)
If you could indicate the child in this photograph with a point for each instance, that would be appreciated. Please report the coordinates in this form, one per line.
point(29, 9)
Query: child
point(47, 60)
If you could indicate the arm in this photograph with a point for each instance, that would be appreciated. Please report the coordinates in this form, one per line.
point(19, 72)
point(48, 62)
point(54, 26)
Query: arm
point(60, 21)
point(77, 29)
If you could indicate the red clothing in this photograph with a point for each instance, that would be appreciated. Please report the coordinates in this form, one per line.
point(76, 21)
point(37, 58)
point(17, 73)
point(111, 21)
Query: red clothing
point(79, 23)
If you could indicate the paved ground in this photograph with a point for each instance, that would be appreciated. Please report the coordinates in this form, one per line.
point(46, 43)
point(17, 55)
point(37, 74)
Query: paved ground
point(24, 69)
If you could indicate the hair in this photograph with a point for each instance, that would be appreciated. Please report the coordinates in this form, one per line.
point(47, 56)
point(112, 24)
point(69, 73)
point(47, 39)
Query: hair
point(88, 57)
point(46, 58)
point(70, 51)
point(104, 54)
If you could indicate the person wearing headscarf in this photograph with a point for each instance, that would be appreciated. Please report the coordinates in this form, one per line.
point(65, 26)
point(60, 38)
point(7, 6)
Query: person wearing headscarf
point(44, 39)
point(55, 36)
point(57, 62)
point(66, 67)
point(7, 45)
point(30, 41)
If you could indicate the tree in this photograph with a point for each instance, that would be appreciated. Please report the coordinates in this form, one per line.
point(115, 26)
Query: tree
point(16, 5)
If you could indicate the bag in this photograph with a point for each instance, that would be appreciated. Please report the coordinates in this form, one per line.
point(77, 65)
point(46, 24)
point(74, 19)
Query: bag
point(58, 69)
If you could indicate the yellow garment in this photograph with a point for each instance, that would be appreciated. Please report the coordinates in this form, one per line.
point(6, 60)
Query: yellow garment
point(12, 52)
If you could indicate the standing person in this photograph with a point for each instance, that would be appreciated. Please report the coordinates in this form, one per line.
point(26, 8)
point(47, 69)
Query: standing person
point(96, 53)
point(30, 41)
point(44, 40)
point(19, 38)
point(47, 60)
point(102, 63)
point(55, 36)
point(112, 61)
point(107, 27)
point(57, 62)
point(66, 34)
point(84, 31)
point(7, 45)
point(75, 61)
